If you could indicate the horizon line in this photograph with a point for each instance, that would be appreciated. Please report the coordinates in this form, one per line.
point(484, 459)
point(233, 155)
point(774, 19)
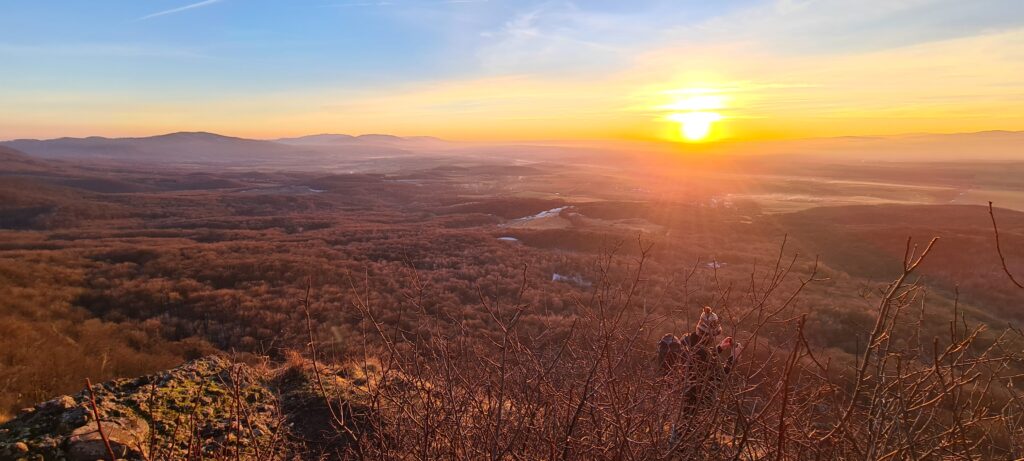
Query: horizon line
point(533, 140)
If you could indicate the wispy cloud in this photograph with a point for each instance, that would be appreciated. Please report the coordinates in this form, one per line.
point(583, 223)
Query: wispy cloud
point(847, 26)
point(179, 9)
point(558, 36)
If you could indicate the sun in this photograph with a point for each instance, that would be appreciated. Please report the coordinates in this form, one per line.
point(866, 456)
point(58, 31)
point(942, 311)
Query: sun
point(694, 110)
point(695, 126)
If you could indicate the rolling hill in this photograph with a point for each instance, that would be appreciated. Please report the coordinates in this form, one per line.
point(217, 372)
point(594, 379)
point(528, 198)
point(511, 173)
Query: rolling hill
point(182, 147)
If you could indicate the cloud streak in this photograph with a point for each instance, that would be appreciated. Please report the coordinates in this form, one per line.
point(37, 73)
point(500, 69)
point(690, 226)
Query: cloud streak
point(179, 9)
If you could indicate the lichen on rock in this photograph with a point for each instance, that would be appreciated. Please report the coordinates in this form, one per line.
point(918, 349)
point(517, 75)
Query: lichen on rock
point(210, 408)
point(210, 405)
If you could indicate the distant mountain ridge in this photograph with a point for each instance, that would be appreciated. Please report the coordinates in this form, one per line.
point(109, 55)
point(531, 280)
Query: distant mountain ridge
point(167, 148)
point(331, 139)
point(205, 147)
point(998, 145)
point(212, 148)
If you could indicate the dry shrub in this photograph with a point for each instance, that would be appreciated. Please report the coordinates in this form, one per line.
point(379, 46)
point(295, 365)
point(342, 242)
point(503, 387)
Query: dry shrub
point(589, 390)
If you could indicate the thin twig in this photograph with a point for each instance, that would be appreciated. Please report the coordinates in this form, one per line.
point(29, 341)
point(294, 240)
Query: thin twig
point(1002, 259)
point(96, 414)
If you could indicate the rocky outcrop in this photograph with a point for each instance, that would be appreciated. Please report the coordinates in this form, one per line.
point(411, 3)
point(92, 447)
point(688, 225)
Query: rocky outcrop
point(209, 408)
point(208, 405)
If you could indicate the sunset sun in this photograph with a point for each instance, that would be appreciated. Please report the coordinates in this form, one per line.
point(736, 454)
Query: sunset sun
point(695, 126)
point(695, 111)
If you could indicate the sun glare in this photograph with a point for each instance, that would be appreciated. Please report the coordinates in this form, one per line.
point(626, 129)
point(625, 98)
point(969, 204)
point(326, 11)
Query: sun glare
point(695, 126)
point(694, 111)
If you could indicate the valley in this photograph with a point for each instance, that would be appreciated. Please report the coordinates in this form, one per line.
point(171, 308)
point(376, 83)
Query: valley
point(190, 258)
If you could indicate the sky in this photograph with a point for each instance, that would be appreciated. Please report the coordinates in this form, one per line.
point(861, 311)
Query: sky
point(682, 70)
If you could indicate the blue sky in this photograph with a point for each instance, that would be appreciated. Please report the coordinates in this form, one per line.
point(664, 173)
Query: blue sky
point(65, 61)
point(268, 44)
